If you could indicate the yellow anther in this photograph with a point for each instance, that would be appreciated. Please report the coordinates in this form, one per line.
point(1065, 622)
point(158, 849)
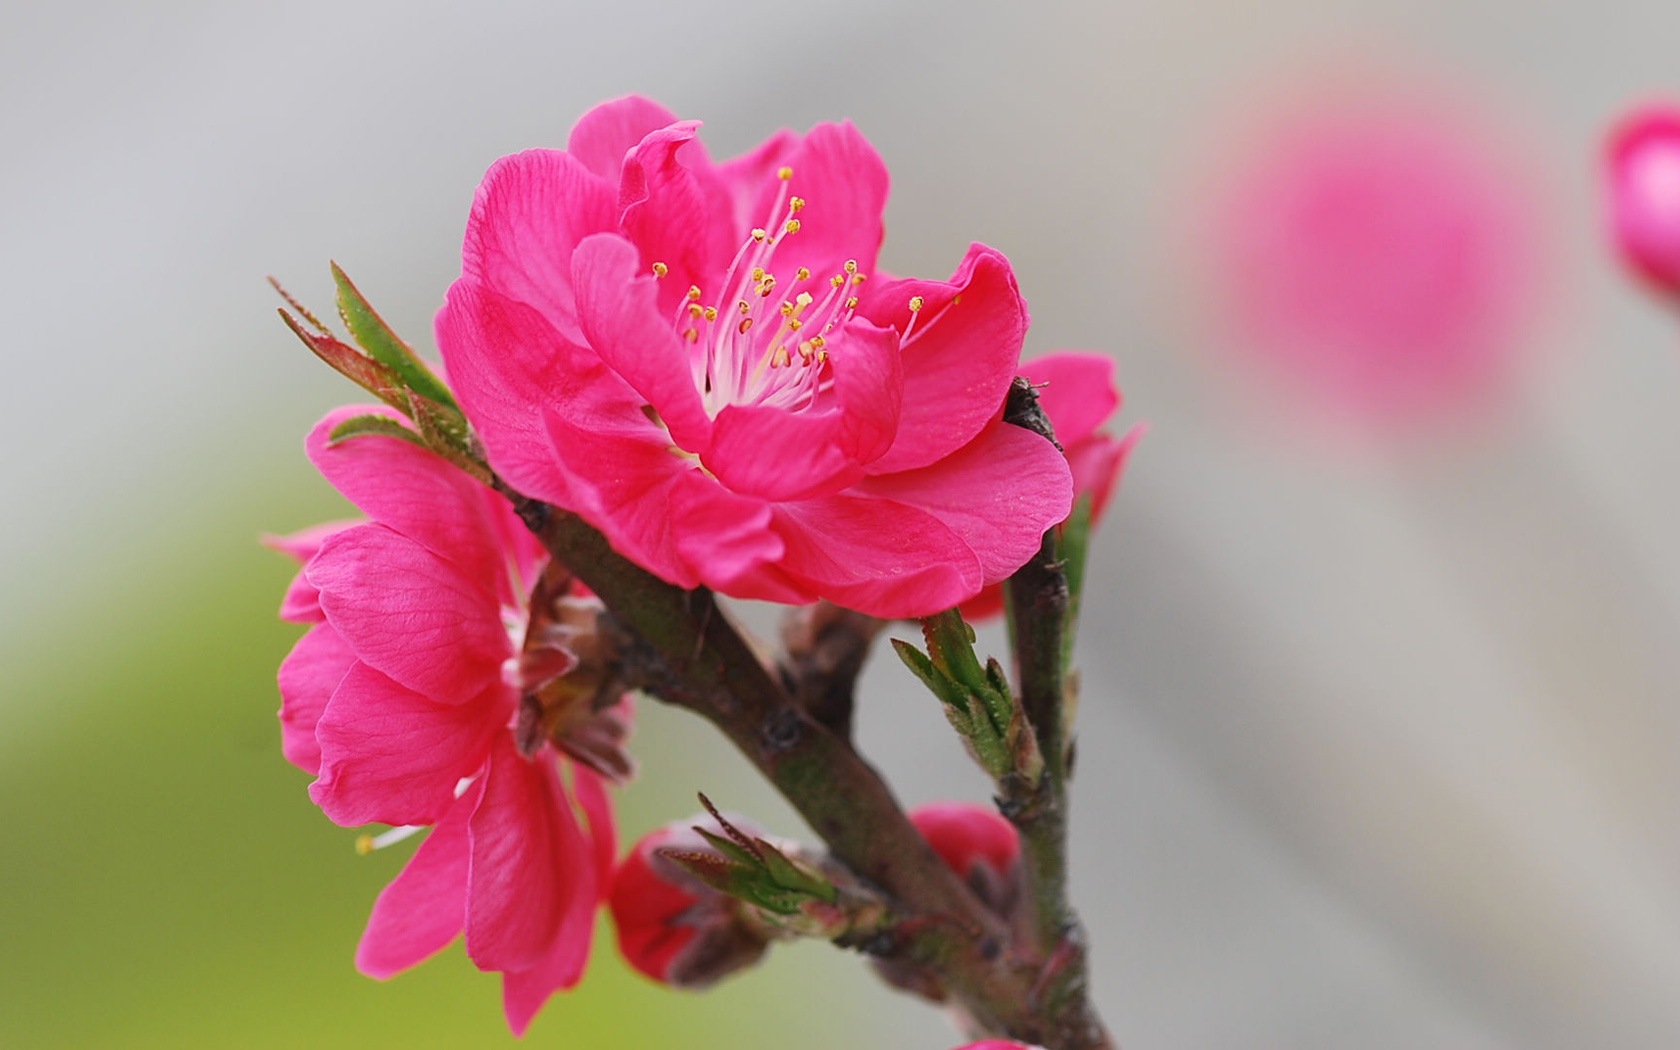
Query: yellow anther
point(858, 278)
point(784, 174)
point(851, 266)
point(691, 334)
point(660, 269)
point(851, 304)
point(693, 292)
point(822, 356)
point(711, 313)
point(956, 300)
point(796, 203)
point(805, 349)
point(837, 280)
point(696, 310)
point(787, 308)
point(745, 324)
point(757, 274)
point(780, 358)
point(745, 306)
point(803, 299)
point(915, 303)
point(791, 226)
point(758, 234)
point(796, 324)
point(817, 342)
point(364, 844)
point(802, 274)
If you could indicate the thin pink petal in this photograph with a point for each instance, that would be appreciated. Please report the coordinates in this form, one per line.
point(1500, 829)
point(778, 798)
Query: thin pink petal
point(425, 907)
point(1097, 463)
point(869, 385)
point(412, 490)
point(1076, 390)
point(391, 756)
point(618, 304)
point(530, 212)
point(676, 211)
point(999, 493)
point(603, 136)
point(530, 865)
point(877, 556)
point(410, 613)
point(302, 602)
point(960, 357)
point(308, 676)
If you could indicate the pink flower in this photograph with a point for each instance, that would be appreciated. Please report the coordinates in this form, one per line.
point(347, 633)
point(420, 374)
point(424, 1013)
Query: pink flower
point(704, 362)
point(1379, 257)
point(1077, 391)
point(968, 837)
point(1643, 176)
point(996, 1044)
point(404, 698)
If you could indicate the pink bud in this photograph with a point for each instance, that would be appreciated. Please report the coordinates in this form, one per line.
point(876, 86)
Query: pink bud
point(996, 1044)
point(673, 927)
point(966, 836)
point(1643, 172)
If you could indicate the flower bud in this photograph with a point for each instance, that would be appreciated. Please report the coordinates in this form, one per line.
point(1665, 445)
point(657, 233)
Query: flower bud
point(996, 1044)
point(673, 927)
point(1643, 160)
point(979, 845)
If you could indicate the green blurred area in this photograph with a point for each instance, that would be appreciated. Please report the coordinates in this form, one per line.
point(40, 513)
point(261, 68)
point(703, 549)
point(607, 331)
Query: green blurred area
point(168, 883)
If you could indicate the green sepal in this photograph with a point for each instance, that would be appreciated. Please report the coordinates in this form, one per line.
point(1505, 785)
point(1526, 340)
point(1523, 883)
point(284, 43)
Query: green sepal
point(353, 365)
point(948, 691)
point(362, 426)
point(950, 645)
point(446, 433)
point(383, 345)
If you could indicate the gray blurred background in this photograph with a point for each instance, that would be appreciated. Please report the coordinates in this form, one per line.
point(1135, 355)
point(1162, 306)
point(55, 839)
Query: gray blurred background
point(1377, 738)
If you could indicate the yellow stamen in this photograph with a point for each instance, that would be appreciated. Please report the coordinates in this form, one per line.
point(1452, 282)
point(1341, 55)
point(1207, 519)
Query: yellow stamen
point(660, 269)
point(796, 204)
point(915, 303)
point(784, 174)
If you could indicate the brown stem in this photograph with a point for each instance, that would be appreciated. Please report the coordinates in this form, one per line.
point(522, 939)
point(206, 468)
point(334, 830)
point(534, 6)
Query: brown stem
point(823, 649)
point(691, 656)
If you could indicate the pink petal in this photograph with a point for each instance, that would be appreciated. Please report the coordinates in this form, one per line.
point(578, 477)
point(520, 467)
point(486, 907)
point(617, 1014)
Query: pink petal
point(413, 491)
point(1097, 463)
point(505, 363)
point(618, 304)
point(676, 211)
point(844, 185)
point(528, 215)
point(728, 540)
point(602, 137)
point(411, 614)
point(960, 357)
point(999, 493)
point(770, 453)
point(877, 556)
point(869, 384)
point(530, 869)
point(308, 676)
point(590, 789)
point(1076, 390)
point(391, 756)
point(658, 509)
point(425, 907)
point(302, 603)
point(745, 177)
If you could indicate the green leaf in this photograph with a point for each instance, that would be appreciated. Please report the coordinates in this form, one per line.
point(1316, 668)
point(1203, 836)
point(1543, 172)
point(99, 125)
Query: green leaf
point(362, 426)
point(383, 345)
point(353, 365)
point(949, 692)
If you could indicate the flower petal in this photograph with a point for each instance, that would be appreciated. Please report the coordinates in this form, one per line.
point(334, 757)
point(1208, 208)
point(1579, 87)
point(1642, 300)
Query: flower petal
point(676, 211)
point(877, 556)
point(960, 358)
point(302, 602)
point(425, 907)
point(528, 215)
point(531, 868)
point(505, 364)
point(590, 789)
point(771, 453)
point(1076, 390)
point(601, 138)
point(1097, 463)
point(412, 490)
point(999, 493)
point(391, 756)
point(844, 183)
point(410, 613)
point(618, 305)
point(745, 177)
point(308, 677)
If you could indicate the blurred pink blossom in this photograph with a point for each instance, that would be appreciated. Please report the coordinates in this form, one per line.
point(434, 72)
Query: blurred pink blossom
point(1377, 256)
point(1642, 159)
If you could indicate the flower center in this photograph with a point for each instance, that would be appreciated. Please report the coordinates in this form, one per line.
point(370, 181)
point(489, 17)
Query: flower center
point(753, 346)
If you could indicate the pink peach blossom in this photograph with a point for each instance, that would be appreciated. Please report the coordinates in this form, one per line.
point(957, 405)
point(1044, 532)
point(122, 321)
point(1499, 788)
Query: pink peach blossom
point(402, 698)
point(1643, 176)
point(1078, 393)
point(704, 361)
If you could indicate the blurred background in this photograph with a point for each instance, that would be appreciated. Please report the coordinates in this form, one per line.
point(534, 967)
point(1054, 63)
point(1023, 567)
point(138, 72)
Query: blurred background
point(1382, 688)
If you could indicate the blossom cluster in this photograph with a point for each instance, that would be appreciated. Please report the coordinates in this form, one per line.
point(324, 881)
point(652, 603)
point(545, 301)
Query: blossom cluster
point(705, 362)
